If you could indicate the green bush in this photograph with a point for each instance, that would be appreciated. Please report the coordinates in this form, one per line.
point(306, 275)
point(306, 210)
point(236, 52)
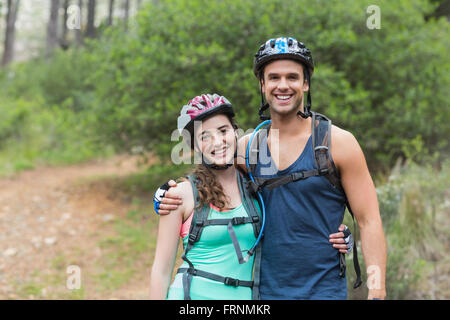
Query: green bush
point(415, 220)
point(387, 86)
point(31, 134)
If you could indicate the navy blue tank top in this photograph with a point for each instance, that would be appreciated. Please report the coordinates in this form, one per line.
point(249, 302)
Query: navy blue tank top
point(298, 261)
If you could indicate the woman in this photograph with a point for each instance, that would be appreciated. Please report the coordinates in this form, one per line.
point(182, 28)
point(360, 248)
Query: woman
point(213, 267)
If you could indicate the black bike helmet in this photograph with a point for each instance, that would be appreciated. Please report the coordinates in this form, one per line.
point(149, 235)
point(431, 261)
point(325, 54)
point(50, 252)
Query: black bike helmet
point(284, 48)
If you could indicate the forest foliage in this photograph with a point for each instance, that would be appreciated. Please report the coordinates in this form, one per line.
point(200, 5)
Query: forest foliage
point(387, 86)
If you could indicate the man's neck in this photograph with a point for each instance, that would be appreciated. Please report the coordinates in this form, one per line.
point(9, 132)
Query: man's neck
point(290, 125)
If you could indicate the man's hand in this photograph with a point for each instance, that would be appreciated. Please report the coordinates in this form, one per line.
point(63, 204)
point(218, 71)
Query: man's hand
point(164, 200)
point(343, 240)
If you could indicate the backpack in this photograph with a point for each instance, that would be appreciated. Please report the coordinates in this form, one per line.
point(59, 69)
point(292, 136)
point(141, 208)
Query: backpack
point(321, 143)
point(200, 221)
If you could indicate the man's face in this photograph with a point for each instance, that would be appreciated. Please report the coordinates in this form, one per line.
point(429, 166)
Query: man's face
point(284, 86)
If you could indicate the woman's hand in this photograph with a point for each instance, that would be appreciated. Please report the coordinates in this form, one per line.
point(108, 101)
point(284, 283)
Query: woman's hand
point(342, 240)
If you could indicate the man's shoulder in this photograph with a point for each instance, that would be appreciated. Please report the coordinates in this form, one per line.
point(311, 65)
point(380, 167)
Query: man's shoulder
point(344, 146)
point(341, 136)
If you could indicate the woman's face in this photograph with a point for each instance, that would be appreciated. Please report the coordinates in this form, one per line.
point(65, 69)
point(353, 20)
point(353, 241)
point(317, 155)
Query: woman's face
point(216, 140)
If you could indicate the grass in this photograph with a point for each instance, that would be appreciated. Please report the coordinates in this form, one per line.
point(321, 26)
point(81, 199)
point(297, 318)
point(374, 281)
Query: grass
point(414, 211)
point(129, 249)
point(49, 285)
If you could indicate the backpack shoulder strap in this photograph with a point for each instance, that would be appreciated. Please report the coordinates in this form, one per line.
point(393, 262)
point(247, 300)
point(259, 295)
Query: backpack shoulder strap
point(249, 204)
point(200, 215)
point(198, 220)
point(254, 147)
point(321, 142)
point(254, 214)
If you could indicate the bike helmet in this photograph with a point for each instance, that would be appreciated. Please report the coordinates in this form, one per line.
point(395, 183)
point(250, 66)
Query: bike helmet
point(282, 48)
point(201, 107)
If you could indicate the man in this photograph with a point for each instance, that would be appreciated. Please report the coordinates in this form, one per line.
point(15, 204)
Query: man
point(296, 262)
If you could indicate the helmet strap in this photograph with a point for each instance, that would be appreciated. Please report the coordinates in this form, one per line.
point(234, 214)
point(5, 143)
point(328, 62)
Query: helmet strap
point(216, 167)
point(307, 108)
point(264, 106)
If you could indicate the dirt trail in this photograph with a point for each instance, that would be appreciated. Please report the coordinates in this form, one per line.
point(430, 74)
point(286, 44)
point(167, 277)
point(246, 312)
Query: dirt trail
point(51, 217)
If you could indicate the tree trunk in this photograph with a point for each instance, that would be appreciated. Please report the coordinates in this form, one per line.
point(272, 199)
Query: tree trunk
point(63, 41)
point(52, 28)
point(78, 33)
point(90, 31)
point(111, 11)
point(11, 17)
point(127, 13)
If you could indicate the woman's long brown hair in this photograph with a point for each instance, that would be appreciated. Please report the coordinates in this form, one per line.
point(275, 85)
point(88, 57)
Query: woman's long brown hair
point(209, 189)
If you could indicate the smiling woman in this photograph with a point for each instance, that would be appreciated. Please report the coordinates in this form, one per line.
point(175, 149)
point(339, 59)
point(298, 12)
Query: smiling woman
point(216, 218)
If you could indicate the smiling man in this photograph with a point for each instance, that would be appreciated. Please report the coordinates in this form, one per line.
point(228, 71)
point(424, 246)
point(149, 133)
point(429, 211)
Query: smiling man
point(296, 262)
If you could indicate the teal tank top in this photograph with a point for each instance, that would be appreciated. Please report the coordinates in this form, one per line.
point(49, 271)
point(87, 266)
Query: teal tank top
point(215, 253)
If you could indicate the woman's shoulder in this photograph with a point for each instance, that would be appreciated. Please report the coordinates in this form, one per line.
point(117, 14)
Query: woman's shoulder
point(185, 192)
point(182, 189)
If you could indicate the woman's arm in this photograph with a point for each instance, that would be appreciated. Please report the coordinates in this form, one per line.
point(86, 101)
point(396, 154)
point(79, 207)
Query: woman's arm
point(167, 243)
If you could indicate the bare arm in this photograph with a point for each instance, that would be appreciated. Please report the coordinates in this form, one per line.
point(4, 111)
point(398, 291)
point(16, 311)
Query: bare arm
point(167, 243)
point(360, 191)
point(241, 150)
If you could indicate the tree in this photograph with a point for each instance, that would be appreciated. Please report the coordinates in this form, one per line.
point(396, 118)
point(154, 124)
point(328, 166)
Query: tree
point(78, 34)
point(63, 41)
point(110, 12)
point(127, 13)
point(52, 28)
point(11, 17)
point(90, 31)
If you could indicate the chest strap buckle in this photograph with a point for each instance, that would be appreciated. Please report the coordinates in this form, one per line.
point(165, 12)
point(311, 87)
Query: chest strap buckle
point(231, 282)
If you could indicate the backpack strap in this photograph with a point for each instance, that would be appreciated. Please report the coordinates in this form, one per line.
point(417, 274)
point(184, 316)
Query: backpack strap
point(254, 149)
point(321, 141)
point(200, 220)
point(199, 217)
point(358, 280)
point(254, 214)
point(249, 203)
point(256, 273)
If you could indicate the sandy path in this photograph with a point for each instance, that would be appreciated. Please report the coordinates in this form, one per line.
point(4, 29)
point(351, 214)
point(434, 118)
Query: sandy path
point(50, 217)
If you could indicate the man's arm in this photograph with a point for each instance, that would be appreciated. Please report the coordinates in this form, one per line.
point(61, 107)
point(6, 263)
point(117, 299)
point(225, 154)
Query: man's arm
point(361, 194)
point(241, 150)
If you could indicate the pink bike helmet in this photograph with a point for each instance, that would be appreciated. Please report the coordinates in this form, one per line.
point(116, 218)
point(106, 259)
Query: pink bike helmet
point(200, 108)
